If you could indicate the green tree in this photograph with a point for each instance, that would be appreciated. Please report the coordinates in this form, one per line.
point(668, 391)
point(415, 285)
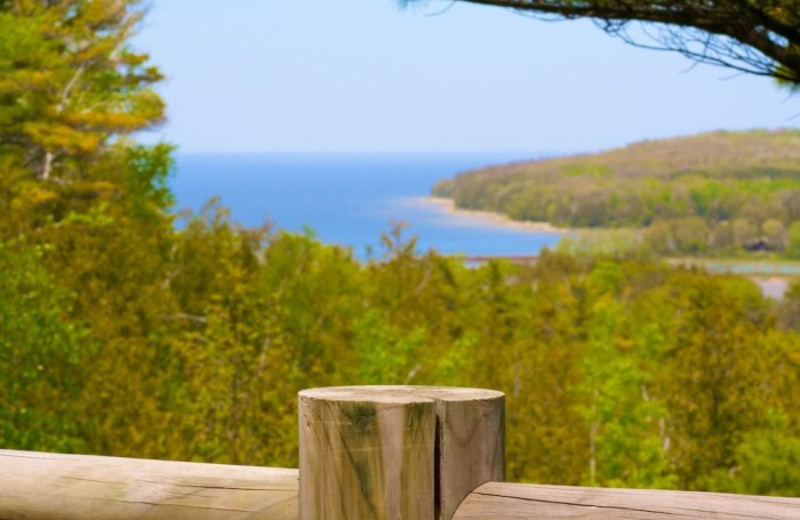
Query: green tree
point(720, 380)
point(70, 83)
point(625, 447)
point(41, 356)
point(793, 240)
point(774, 233)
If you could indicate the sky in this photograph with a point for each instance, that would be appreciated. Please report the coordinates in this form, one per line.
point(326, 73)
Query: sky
point(369, 76)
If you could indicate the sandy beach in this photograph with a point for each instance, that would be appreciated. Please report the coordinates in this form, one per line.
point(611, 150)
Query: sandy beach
point(448, 206)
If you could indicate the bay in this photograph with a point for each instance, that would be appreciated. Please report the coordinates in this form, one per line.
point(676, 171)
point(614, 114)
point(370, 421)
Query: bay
point(350, 199)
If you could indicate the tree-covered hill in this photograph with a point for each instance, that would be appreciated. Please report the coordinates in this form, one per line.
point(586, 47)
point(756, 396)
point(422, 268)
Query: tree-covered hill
point(720, 192)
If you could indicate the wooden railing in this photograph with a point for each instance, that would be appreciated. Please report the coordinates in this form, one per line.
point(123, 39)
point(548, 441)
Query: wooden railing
point(44, 486)
point(372, 453)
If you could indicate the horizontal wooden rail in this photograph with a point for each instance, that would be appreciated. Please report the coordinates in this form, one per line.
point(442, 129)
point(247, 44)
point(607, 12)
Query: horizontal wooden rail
point(366, 453)
point(44, 486)
point(497, 500)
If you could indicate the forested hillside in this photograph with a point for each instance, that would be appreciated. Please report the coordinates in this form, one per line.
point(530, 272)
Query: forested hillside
point(122, 333)
point(722, 193)
point(192, 346)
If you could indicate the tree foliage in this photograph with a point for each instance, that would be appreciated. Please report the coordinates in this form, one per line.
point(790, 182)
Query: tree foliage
point(759, 37)
point(42, 352)
point(70, 82)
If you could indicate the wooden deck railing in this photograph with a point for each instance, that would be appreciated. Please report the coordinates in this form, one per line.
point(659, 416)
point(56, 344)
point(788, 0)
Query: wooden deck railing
point(47, 486)
point(372, 453)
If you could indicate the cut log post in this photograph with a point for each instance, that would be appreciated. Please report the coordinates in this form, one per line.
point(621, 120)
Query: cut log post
point(396, 452)
point(470, 443)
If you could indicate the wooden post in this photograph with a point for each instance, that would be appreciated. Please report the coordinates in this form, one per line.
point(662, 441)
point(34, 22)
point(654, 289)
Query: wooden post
point(470, 441)
point(396, 452)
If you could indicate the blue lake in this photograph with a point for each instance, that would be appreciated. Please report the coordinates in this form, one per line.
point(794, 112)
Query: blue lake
point(351, 199)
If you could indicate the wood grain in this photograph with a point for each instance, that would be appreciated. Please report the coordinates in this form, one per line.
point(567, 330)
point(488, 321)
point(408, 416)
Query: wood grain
point(497, 500)
point(366, 454)
point(396, 452)
point(45, 486)
point(470, 434)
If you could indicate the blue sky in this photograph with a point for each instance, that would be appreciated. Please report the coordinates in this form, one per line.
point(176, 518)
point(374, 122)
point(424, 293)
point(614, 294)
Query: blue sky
point(367, 76)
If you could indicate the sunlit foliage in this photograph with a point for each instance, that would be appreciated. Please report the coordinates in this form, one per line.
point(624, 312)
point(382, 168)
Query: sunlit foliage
point(724, 193)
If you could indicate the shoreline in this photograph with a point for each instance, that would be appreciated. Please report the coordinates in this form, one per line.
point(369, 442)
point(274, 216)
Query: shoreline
point(771, 284)
point(448, 207)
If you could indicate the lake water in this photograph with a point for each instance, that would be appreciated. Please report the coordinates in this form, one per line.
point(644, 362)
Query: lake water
point(351, 199)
